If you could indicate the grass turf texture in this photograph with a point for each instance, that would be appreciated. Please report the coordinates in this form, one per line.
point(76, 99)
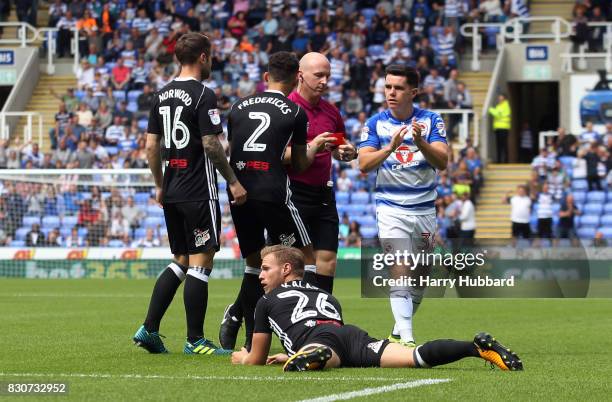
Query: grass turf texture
point(85, 326)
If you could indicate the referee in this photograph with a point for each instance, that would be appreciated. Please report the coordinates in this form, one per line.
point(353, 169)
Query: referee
point(312, 190)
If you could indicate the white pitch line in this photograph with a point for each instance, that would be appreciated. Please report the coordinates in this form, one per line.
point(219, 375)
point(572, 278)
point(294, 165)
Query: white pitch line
point(194, 377)
point(378, 390)
point(109, 295)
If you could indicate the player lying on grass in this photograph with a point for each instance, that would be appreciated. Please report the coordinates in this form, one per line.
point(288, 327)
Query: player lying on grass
point(308, 322)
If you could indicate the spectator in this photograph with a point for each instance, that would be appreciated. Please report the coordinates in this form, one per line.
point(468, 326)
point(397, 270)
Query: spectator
point(542, 163)
point(54, 239)
point(132, 213)
point(592, 161)
point(74, 240)
point(65, 26)
point(354, 237)
point(353, 104)
point(566, 144)
point(467, 218)
point(140, 75)
point(344, 183)
point(31, 152)
point(120, 76)
point(567, 213)
point(88, 30)
point(122, 112)
point(526, 144)
point(150, 240)
point(119, 226)
point(83, 157)
point(103, 116)
point(599, 240)
point(62, 117)
point(435, 80)
point(545, 213)
point(520, 213)
point(85, 75)
point(501, 125)
point(35, 237)
point(246, 86)
point(589, 135)
point(84, 115)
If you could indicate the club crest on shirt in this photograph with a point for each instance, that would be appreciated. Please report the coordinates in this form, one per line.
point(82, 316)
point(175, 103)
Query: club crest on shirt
point(215, 118)
point(201, 237)
point(364, 133)
point(441, 129)
point(287, 240)
point(310, 323)
point(240, 165)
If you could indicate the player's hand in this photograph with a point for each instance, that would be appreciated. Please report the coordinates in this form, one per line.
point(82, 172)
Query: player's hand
point(322, 141)
point(159, 195)
point(238, 193)
point(347, 152)
point(416, 132)
point(239, 356)
point(279, 358)
point(398, 137)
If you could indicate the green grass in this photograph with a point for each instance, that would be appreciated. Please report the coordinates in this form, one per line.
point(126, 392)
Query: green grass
point(71, 327)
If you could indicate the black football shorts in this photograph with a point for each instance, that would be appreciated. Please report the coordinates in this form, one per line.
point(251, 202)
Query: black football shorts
point(282, 222)
point(193, 226)
point(317, 206)
point(353, 345)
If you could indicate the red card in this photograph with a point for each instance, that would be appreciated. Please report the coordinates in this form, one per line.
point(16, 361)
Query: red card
point(339, 137)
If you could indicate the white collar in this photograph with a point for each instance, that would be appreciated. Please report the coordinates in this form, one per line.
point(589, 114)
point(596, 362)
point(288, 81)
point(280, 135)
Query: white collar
point(185, 79)
point(274, 91)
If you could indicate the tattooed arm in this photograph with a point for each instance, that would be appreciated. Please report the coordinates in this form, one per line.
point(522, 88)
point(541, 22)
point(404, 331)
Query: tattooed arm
point(214, 151)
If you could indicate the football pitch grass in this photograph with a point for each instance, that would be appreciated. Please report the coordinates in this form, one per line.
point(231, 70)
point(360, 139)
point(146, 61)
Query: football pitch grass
point(79, 332)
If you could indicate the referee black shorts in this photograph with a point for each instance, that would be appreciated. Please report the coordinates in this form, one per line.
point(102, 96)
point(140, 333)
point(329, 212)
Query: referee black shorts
point(317, 206)
point(282, 222)
point(193, 226)
point(353, 345)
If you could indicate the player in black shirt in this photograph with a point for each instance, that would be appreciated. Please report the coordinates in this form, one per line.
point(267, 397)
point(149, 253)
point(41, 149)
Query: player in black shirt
point(185, 119)
point(308, 322)
point(260, 127)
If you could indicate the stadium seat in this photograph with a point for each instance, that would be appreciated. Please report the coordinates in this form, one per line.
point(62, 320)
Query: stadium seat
point(132, 107)
point(115, 243)
point(65, 231)
point(142, 198)
point(51, 222)
point(355, 209)
point(364, 220)
point(21, 233)
point(545, 243)
point(579, 197)
point(567, 161)
point(565, 242)
point(30, 220)
point(586, 233)
point(18, 243)
point(112, 150)
point(352, 173)
point(606, 220)
point(360, 198)
point(222, 186)
point(223, 198)
point(119, 95)
point(142, 124)
point(368, 13)
point(368, 232)
point(589, 221)
point(375, 50)
point(83, 232)
point(154, 210)
point(592, 209)
point(580, 185)
point(133, 95)
point(342, 197)
point(80, 94)
point(140, 233)
point(596, 196)
point(153, 221)
point(608, 208)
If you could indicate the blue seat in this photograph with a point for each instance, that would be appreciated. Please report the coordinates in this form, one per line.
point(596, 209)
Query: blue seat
point(112, 150)
point(30, 220)
point(80, 94)
point(375, 50)
point(545, 243)
point(580, 184)
point(51, 222)
point(154, 210)
point(115, 243)
point(368, 232)
point(133, 95)
point(586, 233)
point(222, 186)
point(132, 107)
point(65, 231)
point(608, 208)
point(18, 243)
point(355, 209)
point(368, 13)
point(142, 124)
point(141, 198)
point(589, 221)
point(593, 209)
point(579, 197)
point(606, 220)
point(360, 198)
point(140, 233)
point(556, 207)
point(21, 233)
point(119, 95)
point(596, 196)
point(352, 173)
point(153, 221)
point(565, 243)
point(567, 161)
point(342, 197)
point(83, 232)
point(365, 220)
point(223, 198)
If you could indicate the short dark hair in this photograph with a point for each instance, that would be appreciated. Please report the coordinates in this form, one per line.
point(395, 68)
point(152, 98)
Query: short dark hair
point(283, 67)
point(412, 75)
point(190, 46)
point(286, 255)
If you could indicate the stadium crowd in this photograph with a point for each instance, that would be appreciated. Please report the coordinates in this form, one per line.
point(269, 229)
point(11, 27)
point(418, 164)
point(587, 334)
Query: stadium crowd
point(127, 49)
point(568, 196)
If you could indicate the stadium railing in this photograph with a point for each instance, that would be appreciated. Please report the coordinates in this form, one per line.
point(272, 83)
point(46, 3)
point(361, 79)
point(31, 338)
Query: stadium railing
point(28, 128)
point(582, 55)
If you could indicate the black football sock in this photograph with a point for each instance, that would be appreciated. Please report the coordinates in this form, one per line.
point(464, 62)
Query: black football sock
point(235, 310)
point(195, 296)
point(310, 275)
point(325, 282)
point(251, 295)
point(163, 292)
point(443, 351)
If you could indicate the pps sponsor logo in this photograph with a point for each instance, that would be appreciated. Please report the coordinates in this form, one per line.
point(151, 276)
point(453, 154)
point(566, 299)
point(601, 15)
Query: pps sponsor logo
point(215, 118)
point(287, 240)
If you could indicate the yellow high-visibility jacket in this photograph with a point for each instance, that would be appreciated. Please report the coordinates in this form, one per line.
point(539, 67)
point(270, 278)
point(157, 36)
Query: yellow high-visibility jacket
point(501, 116)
